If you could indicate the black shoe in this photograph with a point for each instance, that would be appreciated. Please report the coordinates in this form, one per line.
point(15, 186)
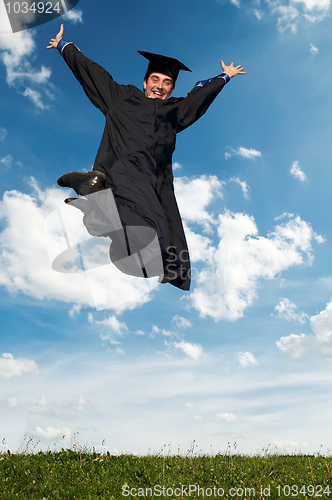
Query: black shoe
point(83, 183)
point(80, 203)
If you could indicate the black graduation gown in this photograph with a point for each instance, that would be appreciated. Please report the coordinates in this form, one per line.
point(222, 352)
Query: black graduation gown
point(136, 149)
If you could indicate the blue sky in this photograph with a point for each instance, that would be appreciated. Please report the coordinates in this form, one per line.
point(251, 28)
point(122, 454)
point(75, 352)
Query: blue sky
point(245, 356)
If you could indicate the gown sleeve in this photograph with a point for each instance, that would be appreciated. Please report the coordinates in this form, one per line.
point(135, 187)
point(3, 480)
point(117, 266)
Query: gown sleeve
point(192, 107)
point(97, 83)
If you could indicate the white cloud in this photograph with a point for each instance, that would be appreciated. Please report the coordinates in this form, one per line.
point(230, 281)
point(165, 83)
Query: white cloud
point(155, 330)
point(27, 268)
point(52, 433)
point(320, 342)
point(18, 45)
point(290, 14)
point(227, 285)
point(313, 50)
point(75, 310)
point(38, 406)
point(7, 161)
point(113, 324)
point(12, 403)
point(321, 325)
point(316, 17)
point(294, 346)
point(42, 407)
point(35, 97)
point(37, 77)
point(76, 16)
point(226, 417)
point(296, 172)
point(199, 246)
point(162, 331)
point(176, 166)
point(16, 53)
point(244, 186)
point(258, 13)
point(3, 133)
point(115, 328)
point(284, 215)
point(248, 154)
point(151, 383)
point(194, 195)
point(16, 49)
point(287, 310)
point(11, 367)
point(181, 322)
point(78, 403)
point(111, 339)
point(287, 15)
point(314, 4)
point(189, 405)
point(193, 351)
point(246, 359)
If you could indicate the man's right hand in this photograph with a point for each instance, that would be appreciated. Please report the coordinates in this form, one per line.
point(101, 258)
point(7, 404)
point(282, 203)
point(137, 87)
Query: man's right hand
point(54, 41)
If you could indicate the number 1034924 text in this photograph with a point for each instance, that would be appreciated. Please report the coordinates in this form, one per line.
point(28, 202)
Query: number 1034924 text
point(297, 491)
point(34, 7)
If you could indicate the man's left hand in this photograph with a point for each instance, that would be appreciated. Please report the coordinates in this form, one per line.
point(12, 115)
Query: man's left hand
point(232, 70)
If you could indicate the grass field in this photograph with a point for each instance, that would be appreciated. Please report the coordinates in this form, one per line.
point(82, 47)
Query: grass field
point(77, 474)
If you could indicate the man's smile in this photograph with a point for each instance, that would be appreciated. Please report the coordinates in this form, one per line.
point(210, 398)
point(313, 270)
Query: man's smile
point(158, 93)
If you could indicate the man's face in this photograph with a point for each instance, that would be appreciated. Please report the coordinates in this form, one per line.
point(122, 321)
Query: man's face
point(158, 86)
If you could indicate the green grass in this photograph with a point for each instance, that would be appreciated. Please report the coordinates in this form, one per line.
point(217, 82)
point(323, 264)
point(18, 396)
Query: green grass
point(75, 474)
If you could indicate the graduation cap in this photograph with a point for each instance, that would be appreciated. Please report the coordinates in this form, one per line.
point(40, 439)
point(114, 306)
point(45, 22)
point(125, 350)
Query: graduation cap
point(163, 64)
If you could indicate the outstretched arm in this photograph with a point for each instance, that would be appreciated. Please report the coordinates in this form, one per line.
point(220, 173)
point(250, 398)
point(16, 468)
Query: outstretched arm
point(231, 70)
point(53, 44)
point(97, 83)
point(203, 94)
